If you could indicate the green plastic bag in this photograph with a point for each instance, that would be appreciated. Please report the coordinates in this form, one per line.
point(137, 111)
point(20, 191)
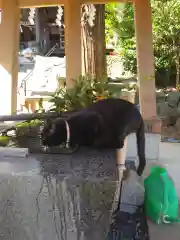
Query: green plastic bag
point(161, 200)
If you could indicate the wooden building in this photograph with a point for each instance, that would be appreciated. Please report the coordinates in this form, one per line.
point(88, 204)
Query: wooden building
point(42, 33)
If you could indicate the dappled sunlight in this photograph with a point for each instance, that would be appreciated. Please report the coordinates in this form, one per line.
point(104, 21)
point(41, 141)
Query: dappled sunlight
point(5, 91)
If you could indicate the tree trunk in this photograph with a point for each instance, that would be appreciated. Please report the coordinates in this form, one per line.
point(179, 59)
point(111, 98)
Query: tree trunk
point(93, 44)
point(100, 45)
point(177, 73)
point(88, 49)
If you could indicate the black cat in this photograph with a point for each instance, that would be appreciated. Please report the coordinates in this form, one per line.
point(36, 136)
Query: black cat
point(103, 124)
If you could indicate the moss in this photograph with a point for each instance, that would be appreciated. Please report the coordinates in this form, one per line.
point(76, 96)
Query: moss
point(4, 140)
point(21, 129)
point(27, 128)
point(32, 123)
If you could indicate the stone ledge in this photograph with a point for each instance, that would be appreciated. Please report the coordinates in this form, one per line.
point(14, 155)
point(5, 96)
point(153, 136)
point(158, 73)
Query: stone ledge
point(152, 146)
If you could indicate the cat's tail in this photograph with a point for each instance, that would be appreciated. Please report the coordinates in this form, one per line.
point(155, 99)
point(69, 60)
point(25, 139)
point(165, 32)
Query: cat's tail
point(140, 135)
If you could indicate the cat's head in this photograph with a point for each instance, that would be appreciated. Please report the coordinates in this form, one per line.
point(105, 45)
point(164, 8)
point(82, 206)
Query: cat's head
point(53, 133)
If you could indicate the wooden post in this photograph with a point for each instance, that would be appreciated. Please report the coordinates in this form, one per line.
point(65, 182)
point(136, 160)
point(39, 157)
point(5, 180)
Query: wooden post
point(73, 50)
point(9, 47)
point(145, 63)
point(145, 58)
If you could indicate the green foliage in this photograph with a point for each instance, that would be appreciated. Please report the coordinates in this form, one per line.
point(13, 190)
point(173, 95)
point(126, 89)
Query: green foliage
point(127, 30)
point(166, 29)
point(127, 39)
point(25, 127)
point(86, 90)
point(112, 21)
point(166, 36)
point(4, 141)
point(31, 123)
point(120, 19)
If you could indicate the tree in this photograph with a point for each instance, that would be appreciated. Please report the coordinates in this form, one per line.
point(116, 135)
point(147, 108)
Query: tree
point(112, 21)
point(166, 32)
point(93, 39)
point(166, 38)
point(120, 22)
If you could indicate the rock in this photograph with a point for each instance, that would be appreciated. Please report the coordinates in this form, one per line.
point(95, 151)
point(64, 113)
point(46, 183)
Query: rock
point(169, 121)
point(178, 125)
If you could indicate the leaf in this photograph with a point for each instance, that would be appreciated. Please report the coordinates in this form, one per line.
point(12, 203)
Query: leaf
point(85, 91)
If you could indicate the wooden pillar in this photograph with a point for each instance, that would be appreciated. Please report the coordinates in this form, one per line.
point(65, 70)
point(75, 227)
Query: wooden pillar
point(73, 51)
point(9, 47)
point(145, 57)
point(37, 28)
point(43, 35)
point(145, 61)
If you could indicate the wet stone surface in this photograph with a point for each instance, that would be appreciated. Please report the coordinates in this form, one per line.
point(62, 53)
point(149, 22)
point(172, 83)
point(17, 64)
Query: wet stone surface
point(57, 197)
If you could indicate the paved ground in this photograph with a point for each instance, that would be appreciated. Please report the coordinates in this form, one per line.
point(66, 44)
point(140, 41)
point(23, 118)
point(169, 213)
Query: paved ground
point(66, 197)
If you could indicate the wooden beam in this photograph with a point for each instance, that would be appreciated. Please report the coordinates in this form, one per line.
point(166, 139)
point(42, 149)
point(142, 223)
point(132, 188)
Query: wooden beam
point(40, 3)
point(103, 1)
point(51, 3)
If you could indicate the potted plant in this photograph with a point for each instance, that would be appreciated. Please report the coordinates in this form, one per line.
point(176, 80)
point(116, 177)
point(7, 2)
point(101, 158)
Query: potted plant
point(24, 134)
point(86, 90)
point(27, 134)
